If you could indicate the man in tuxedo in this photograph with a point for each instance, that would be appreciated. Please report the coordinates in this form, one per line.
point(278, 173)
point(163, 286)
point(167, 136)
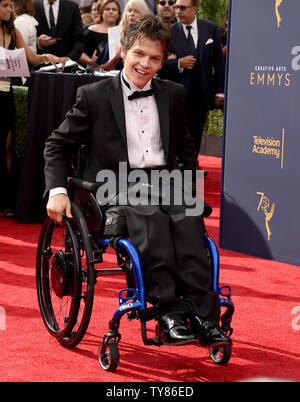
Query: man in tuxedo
point(60, 30)
point(139, 120)
point(199, 65)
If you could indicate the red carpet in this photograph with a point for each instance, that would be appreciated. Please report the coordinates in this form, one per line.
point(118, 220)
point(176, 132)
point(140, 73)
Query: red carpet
point(266, 321)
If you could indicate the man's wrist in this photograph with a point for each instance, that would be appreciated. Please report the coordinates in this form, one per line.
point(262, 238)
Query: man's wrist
point(180, 69)
point(57, 190)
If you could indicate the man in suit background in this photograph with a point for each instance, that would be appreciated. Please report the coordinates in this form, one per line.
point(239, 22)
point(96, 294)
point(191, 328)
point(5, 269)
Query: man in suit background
point(165, 10)
point(60, 30)
point(199, 64)
point(139, 120)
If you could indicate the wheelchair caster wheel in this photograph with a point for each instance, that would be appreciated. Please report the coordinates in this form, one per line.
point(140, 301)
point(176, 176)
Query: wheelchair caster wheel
point(220, 356)
point(109, 355)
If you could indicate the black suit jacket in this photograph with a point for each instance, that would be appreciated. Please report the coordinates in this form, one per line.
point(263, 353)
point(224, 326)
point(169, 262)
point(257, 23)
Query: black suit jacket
point(210, 73)
point(98, 118)
point(68, 28)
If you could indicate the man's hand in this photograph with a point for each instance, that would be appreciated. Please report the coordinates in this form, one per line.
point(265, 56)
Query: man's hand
point(187, 62)
point(57, 205)
point(45, 40)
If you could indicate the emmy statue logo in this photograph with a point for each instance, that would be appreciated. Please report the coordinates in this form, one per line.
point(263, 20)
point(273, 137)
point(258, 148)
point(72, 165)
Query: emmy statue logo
point(278, 16)
point(264, 204)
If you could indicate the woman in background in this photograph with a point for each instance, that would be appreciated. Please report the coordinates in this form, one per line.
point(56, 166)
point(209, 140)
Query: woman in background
point(133, 10)
point(11, 38)
point(94, 10)
point(25, 22)
point(96, 35)
point(86, 19)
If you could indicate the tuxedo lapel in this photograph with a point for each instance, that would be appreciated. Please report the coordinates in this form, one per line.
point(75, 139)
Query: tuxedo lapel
point(61, 13)
point(162, 101)
point(41, 11)
point(115, 95)
point(202, 37)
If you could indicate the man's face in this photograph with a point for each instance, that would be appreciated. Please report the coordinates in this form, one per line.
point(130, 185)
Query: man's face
point(165, 9)
point(184, 11)
point(142, 61)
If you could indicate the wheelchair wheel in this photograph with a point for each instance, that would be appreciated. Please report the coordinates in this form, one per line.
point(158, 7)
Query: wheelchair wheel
point(58, 277)
point(88, 281)
point(220, 356)
point(108, 355)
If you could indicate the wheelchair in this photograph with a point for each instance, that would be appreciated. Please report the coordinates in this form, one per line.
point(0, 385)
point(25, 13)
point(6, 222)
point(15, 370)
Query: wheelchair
point(69, 260)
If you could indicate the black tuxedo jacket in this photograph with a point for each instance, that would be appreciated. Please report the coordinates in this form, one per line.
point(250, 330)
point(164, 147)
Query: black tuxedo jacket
point(210, 73)
point(98, 119)
point(68, 28)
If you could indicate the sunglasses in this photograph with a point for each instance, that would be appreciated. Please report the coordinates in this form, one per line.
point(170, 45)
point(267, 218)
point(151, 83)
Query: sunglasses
point(163, 3)
point(182, 8)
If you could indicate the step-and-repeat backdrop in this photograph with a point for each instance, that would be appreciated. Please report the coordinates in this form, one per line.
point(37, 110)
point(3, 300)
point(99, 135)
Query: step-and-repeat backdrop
point(260, 201)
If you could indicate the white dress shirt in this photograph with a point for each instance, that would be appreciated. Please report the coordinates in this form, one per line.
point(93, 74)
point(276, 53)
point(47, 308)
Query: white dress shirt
point(55, 8)
point(144, 143)
point(194, 31)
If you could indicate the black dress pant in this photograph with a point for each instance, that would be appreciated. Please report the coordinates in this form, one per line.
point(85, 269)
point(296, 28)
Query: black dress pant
point(196, 118)
point(176, 268)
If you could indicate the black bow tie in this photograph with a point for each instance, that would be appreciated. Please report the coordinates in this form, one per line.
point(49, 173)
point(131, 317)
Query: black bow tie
point(140, 94)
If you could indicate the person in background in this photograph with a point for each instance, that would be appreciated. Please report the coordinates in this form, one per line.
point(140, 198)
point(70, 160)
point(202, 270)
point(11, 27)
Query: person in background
point(86, 19)
point(150, 4)
point(165, 10)
point(60, 30)
point(11, 38)
point(96, 35)
point(199, 65)
point(134, 9)
point(25, 22)
point(94, 9)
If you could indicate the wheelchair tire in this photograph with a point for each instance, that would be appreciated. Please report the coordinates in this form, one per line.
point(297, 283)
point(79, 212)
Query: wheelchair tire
point(220, 356)
point(108, 356)
point(88, 281)
point(58, 277)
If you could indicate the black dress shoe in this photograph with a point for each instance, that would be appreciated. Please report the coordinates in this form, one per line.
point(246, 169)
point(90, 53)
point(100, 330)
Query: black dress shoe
point(208, 332)
point(172, 329)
